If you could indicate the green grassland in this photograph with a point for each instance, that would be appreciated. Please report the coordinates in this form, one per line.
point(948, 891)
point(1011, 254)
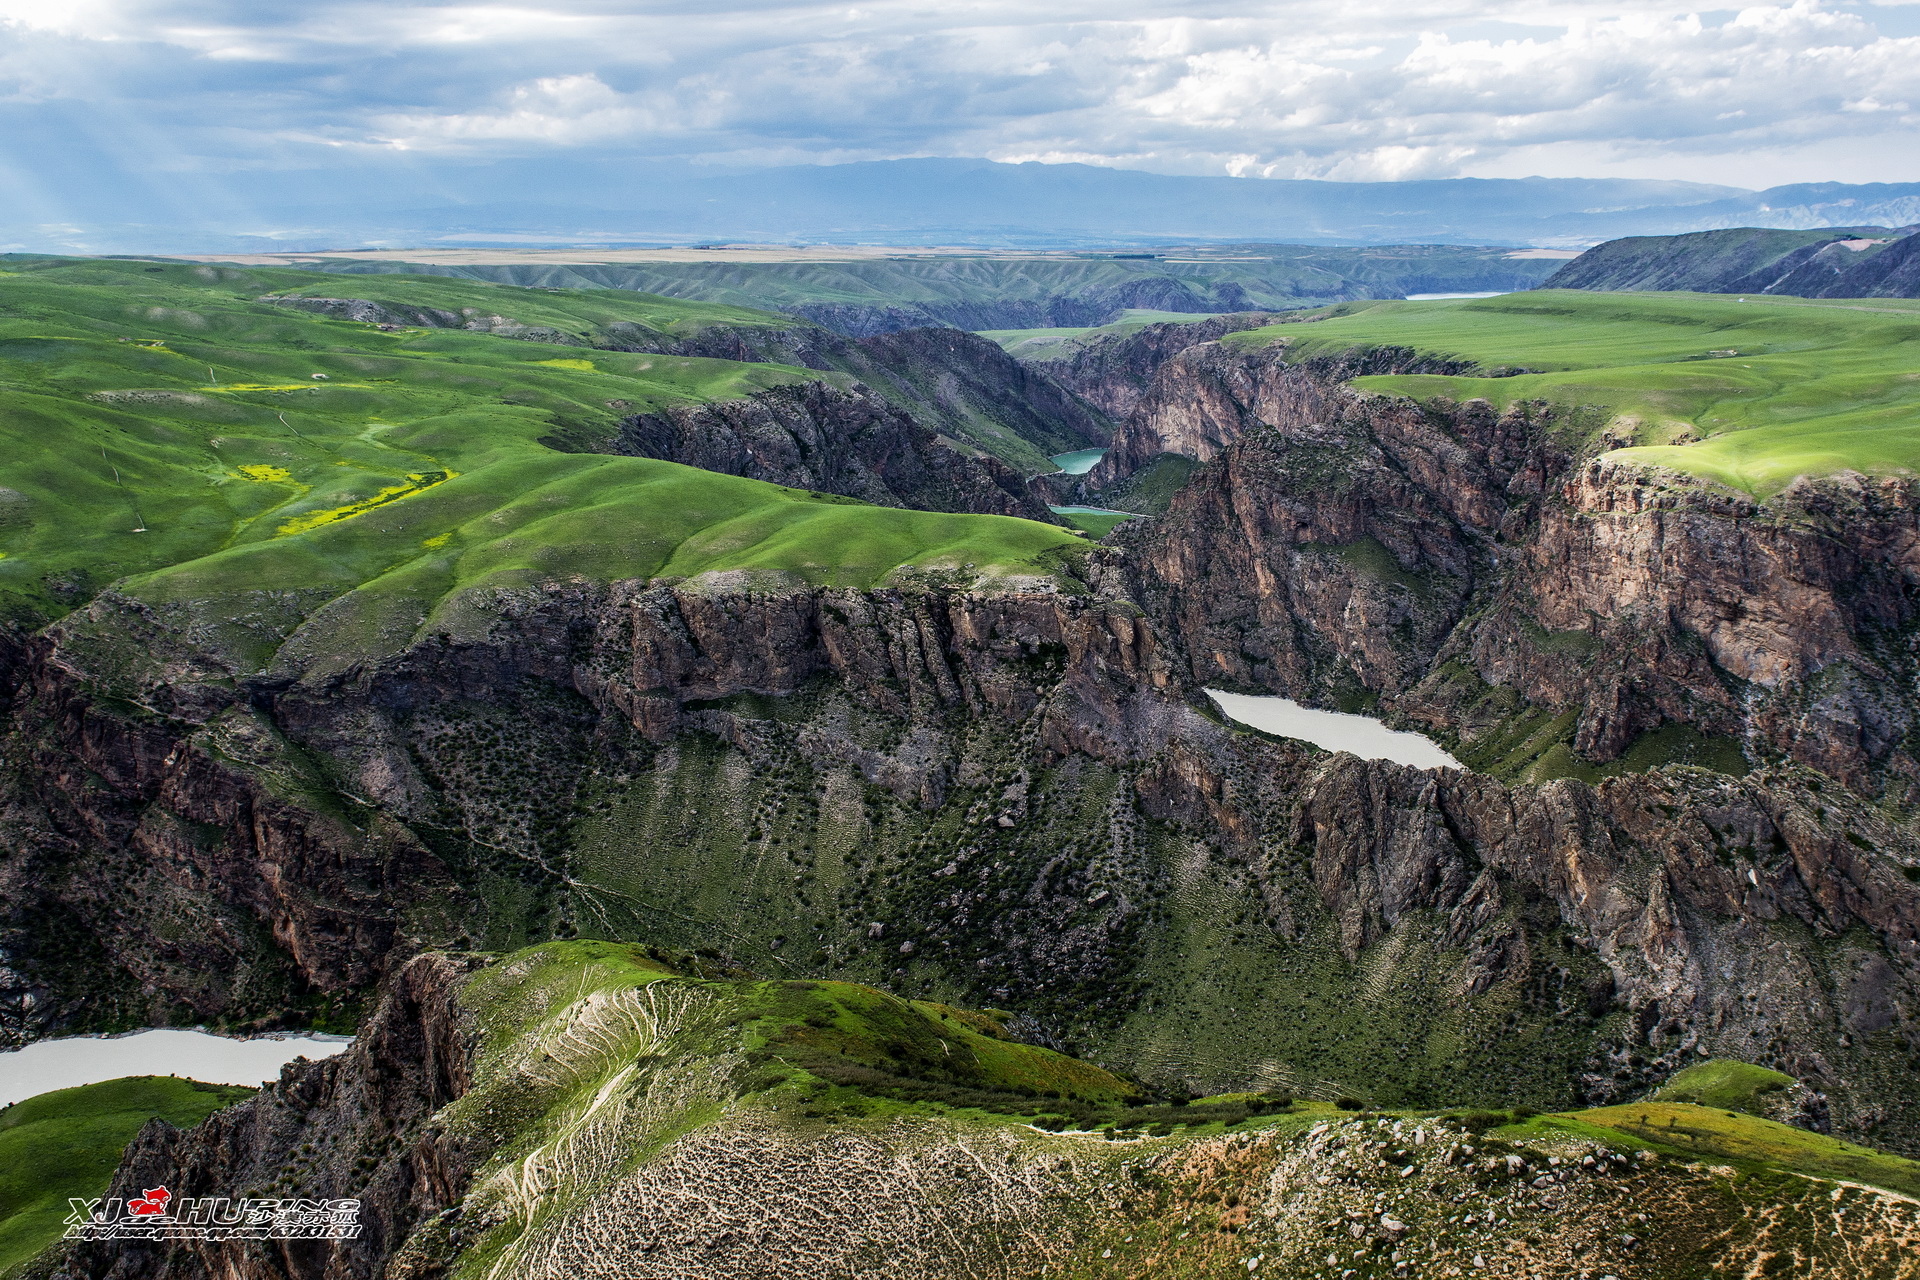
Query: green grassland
point(68, 1142)
point(1750, 392)
point(162, 425)
point(1714, 1111)
point(1095, 524)
point(1724, 1083)
point(590, 317)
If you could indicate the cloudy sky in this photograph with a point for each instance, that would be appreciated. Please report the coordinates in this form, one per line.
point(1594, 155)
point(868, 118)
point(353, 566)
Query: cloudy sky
point(1777, 92)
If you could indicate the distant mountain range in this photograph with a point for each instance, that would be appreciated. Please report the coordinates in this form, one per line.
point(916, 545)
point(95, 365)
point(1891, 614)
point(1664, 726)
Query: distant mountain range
point(928, 201)
point(1850, 262)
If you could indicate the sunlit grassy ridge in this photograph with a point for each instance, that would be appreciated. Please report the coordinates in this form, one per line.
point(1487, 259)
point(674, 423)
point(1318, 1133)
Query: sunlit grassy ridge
point(1725, 1083)
point(1706, 1133)
point(599, 1059)
point(67, 1143)
point(1773, 388)
point(160, 422)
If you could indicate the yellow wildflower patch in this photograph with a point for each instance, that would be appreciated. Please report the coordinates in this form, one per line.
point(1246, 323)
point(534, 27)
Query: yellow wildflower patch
point(263, 473)
point(436, 543)
point(284, 386)
point(583, 366)
point(416, 483)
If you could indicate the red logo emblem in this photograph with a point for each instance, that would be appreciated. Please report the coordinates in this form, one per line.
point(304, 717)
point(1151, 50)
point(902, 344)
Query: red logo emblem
point(155, 1204)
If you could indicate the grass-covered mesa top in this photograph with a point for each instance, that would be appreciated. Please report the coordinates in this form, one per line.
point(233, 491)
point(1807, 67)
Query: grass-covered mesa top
point(1750, 392)
point(173, 429)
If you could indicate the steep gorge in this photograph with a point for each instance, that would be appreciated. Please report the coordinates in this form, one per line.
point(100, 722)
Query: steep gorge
point(1470, 570)
point(1003, 797)
point(1012, 794)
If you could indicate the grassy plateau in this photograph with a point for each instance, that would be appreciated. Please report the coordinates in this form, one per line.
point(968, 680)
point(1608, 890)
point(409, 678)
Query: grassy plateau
point(1751, 392)
point(167, 426)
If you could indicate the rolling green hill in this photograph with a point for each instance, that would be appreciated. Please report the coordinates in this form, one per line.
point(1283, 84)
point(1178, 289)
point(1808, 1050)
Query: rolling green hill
point(589, 316)
point(1750, 392)
point(1725, 1083)
point(1690, 1131)
point(68, 1142)
point(161, 423)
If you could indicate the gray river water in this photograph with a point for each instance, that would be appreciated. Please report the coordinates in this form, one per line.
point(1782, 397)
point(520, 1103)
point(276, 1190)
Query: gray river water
point(64, 1063)
point(1335, 730)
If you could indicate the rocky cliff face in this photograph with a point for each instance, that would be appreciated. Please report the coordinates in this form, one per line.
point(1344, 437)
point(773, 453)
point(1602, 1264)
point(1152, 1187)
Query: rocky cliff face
point(1430, 556)
point(1001, 795)
point(360, 1125)
point(969, 389)
point(1112, 372)
point(951, 382)
point(1208, 395)
point(820, 437)
point(1783, 625)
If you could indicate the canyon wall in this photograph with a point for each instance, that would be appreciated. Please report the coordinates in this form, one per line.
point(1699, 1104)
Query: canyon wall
point(1015, 796)
point(1446, 559)
point(999, 798)
point(1209, 394)
point(825, 438)
point(1113, 371)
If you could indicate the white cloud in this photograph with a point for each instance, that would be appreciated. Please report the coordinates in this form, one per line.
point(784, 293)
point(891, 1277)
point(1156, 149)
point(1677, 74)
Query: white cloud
point(559, 110)
point(1424, 88)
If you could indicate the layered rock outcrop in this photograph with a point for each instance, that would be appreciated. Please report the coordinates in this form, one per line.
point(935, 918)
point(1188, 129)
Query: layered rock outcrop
point(1012, 796)
point(1779, 623)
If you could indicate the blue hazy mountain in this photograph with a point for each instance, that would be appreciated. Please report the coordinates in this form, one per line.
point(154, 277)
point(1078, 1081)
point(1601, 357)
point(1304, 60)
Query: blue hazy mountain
point(976, 202)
